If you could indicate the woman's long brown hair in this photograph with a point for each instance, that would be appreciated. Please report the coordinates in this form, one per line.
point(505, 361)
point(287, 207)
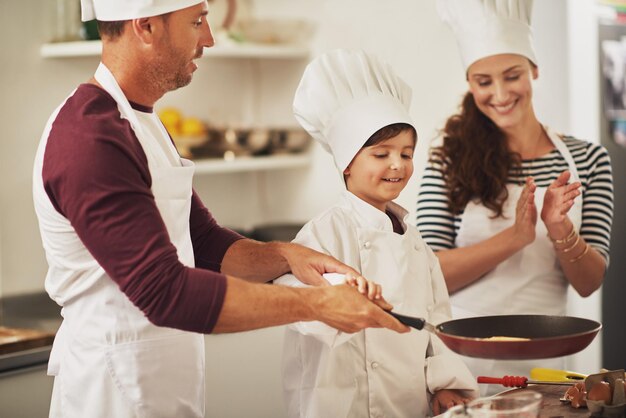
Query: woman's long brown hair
point(476, 159)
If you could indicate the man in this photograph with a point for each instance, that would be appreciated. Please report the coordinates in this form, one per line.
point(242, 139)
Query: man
point(123, 230)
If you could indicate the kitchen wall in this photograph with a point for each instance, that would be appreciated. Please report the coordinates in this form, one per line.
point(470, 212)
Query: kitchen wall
point(406, 33)
point(584, 112)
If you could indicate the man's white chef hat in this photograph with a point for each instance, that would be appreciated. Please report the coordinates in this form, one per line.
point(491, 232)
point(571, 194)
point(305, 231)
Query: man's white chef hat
point(489, 27)
point(112, 10)
point(344, 97)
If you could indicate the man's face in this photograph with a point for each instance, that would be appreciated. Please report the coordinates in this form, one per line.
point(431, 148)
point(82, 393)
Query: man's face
point(186, 33)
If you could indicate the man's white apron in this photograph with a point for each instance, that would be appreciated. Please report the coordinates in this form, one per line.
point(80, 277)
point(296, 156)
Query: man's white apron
point(108, 359)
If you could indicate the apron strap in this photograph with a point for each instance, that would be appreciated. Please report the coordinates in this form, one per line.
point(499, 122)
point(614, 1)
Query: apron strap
point(106, 79)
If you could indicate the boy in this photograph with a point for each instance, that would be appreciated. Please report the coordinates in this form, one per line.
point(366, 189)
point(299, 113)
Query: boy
point(357, 108)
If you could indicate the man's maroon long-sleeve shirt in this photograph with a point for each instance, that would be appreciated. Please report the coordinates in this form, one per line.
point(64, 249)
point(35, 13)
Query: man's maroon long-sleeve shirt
point(96, 175)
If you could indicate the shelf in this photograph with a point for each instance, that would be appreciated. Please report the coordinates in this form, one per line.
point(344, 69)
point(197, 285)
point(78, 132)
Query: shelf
point(246, 50)
point(250, 50)
point(242, 164)
point(71, 49)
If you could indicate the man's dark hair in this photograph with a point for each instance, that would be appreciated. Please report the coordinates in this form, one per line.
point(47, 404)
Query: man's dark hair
point(111, 30)
point(114, 29)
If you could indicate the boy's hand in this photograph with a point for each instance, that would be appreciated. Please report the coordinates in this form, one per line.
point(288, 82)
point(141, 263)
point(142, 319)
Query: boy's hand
point(368, 288)
point(445, 399)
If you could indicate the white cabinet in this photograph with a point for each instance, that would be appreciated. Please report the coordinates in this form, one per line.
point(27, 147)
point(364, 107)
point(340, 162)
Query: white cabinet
point(25, 393)
point(243, 374)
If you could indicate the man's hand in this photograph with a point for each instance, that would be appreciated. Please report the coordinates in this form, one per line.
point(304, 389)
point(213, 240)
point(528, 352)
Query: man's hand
point(256, 261)
point(344, 308)
point(308, 265)
point(249, 306)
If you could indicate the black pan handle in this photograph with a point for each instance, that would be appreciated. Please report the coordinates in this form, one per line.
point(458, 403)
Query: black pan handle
point(417, 323)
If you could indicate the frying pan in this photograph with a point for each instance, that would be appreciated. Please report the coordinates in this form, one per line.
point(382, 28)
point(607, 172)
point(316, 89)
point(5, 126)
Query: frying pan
point(548, 335)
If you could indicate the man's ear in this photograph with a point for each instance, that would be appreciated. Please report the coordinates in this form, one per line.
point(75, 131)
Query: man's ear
point(143, 28)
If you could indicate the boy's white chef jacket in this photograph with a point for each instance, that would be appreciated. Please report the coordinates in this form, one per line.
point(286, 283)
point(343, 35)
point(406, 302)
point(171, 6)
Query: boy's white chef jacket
point(375, 372)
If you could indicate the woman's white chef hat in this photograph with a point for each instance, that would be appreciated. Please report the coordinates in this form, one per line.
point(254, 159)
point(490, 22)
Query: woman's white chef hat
point(112, 10)
point(344, 97)
point(489, 27)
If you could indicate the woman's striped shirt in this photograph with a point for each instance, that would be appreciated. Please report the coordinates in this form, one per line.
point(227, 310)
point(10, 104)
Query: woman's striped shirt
point(439, 226)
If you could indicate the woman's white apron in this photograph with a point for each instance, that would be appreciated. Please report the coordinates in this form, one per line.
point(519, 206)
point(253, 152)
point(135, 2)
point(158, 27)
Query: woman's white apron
point(529, 282)
point(108, 359)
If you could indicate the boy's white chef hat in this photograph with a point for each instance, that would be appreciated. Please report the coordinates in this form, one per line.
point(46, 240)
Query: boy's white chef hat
point(489, 27)
point(344, 97)
point(112, 10)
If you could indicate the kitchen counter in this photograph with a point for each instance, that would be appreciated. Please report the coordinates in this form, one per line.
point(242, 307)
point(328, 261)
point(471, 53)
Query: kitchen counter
point(551, 406)
point(37, 318)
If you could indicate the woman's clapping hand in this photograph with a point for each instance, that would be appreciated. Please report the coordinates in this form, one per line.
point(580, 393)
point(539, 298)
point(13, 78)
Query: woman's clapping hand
point(526, 213)
point(558, 201)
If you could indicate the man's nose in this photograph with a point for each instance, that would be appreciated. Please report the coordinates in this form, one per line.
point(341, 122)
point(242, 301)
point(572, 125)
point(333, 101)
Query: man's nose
point(207, 38)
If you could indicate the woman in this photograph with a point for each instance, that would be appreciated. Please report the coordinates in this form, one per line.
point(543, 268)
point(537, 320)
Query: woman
point(515, 211)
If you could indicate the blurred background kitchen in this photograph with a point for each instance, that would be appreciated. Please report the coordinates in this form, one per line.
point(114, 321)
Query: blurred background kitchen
point(258, 172)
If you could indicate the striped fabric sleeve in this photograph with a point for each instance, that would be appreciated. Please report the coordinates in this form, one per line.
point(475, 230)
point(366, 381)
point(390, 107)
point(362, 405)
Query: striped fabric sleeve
point(439, 226)
point(595, 167)
point(435, 221)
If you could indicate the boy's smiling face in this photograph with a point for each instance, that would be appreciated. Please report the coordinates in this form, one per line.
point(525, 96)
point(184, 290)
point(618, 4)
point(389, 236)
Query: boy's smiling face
point(377, 174)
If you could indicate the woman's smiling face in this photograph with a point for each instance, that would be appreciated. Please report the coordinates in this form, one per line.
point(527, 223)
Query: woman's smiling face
point(378, 173)
point(502, 88)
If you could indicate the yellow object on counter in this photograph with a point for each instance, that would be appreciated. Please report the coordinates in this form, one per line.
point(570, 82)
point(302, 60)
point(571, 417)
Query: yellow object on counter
point(192, 127)
point(171, 119)
point(555, 375)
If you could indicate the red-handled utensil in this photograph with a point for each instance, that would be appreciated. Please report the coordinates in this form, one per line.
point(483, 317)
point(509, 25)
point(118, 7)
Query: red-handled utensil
point(518, 381)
